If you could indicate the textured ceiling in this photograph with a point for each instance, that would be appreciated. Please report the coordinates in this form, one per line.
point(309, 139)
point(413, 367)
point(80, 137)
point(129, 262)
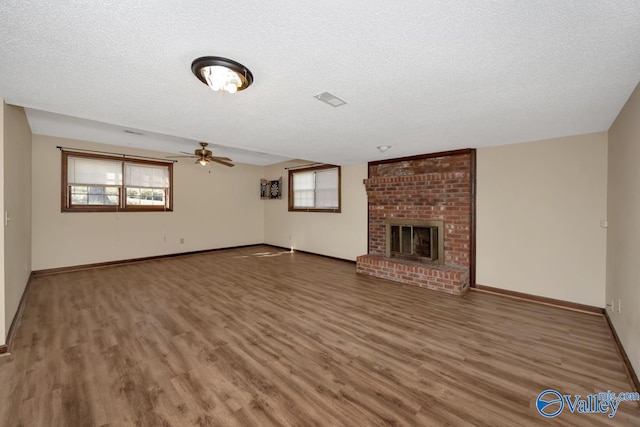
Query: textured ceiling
point(421, 76)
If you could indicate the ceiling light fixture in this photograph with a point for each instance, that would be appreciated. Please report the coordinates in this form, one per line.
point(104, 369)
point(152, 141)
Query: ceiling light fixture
point(383, 148)
point(222, 74)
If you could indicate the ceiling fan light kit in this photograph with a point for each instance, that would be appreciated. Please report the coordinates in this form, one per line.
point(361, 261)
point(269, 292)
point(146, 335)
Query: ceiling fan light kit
point(222, 74)
point(204, 156)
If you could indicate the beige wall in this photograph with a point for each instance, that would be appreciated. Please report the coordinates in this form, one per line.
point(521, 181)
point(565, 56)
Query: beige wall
point(341, 235)
point(3, 328)
point(539, 207)
point(623, 245)
point(17, 204)
point(211, 210)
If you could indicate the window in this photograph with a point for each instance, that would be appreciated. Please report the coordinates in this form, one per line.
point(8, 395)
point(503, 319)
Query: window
point(315, 189)
point(96, 183)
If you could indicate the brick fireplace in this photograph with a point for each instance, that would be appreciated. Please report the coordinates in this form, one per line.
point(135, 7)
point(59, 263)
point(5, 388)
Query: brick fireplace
point(421, 221)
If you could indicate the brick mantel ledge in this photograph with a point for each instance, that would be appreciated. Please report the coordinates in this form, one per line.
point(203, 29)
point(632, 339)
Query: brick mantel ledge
point(415, 178)
point(449, 279)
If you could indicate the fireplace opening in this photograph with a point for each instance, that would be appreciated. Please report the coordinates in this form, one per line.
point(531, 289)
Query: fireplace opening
point(415, 240)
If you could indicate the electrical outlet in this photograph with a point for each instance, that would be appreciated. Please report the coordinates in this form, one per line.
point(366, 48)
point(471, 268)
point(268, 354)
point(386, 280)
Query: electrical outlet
point(182, 240)
point(619, 306)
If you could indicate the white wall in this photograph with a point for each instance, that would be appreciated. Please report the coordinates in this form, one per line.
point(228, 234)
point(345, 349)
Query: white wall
point(623, 246)
point(539, 206)
point(211, 210)
point(341, 235)
point(17, 203)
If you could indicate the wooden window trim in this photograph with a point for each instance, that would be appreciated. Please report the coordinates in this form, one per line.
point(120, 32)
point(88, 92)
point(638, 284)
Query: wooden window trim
point(309, 169)
point(65, 196)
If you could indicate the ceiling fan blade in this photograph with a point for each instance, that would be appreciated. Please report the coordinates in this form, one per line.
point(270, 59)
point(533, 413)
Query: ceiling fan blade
point(204, 155)
point(222, 162)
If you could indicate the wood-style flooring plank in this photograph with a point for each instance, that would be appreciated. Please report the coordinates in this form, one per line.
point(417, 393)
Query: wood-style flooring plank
point(258, 337)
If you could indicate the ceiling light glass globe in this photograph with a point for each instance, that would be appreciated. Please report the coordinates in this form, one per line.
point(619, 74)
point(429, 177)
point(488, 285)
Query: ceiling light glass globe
point(221, 78)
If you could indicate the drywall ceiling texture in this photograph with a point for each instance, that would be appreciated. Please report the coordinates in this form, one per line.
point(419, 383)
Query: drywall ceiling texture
point(539, 207)
point(421, 76)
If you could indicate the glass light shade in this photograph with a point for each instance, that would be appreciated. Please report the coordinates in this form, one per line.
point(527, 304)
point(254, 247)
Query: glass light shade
point(202, 162)
point(221, 78)
point(222, 74)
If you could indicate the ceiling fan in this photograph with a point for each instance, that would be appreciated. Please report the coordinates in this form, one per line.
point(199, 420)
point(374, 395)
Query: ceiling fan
point(204, 156)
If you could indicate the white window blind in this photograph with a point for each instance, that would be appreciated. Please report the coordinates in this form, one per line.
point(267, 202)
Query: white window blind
point(96, 183)
point(327, 189)
point(81, 171)
point(146, 176)
point(316, 189)
point(303, 189)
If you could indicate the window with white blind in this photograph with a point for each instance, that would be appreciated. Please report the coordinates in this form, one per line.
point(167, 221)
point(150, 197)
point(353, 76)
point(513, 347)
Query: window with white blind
point(96, 183)
point(315, 189)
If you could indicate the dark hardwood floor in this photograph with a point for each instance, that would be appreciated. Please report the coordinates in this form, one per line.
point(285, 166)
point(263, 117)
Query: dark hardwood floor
point(234, 338)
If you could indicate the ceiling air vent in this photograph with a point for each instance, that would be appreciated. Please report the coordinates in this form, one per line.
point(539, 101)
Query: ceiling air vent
point(330, 99)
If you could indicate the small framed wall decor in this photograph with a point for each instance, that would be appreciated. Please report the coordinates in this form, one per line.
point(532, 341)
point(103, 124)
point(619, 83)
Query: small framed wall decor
point(271, 189)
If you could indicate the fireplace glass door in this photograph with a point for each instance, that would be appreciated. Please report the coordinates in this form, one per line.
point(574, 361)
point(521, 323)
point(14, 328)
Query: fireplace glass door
point(408, 241)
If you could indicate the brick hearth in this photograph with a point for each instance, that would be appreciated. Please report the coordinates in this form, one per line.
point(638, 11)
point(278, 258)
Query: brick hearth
point(429, 187)
point(453, 280)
